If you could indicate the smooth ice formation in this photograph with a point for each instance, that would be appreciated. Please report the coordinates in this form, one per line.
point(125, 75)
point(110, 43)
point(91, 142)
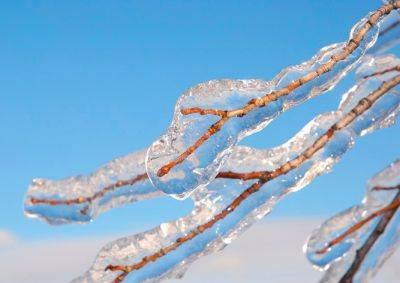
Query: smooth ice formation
point(389, 34)
point(81, 198)
point(177, 174)
point(121, 181)
point(339, 259)
point(163, 253)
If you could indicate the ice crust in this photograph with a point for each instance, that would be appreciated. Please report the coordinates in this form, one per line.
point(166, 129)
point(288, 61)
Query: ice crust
point(339, 258)
point(195, 177)
point(202, 165)
point(123, 168)
point(221, 192)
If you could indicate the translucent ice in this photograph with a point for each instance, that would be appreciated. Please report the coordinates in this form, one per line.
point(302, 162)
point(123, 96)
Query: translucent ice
point(339, 258)
point(389, 34)
point(81, 198)
point(221, 193)
point(203, 163)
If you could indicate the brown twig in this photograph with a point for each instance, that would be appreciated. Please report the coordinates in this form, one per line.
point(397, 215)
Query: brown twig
point(393, 205)
point(369, 243)
point(395, 68)
point(389, 28)
point(201, 111)
point(253, 104)
point(96, 195)
point(263, 177)
point(139, 178)
point(382, 188)
point(240, 176)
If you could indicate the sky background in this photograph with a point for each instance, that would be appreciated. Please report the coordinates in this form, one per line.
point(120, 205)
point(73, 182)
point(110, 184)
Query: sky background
point(83, 82)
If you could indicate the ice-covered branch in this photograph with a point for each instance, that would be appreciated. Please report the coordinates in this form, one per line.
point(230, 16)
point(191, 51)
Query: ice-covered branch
point(124, 180)
point(81, 198)
point(228, 206)
point(389, 34)
point(388, 213)
point(354, 243)
point(392, 206)
point(212, 117)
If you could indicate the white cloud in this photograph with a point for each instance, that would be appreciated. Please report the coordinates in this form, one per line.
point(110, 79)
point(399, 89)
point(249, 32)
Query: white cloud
point(271, 251)
point(6, 238)
point(48, 262)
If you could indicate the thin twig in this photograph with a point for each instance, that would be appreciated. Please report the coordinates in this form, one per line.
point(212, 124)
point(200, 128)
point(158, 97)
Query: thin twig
point(91, 198)
point(395, 68)
point(253, 104)
point(142, 177)
point(263, 177)
point(369, 243)
point(382, 188)
point(129, 182)
point(393, 205)
point(389, 28)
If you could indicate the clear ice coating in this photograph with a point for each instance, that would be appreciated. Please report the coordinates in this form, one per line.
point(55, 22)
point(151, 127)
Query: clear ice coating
point(389, 33)
point(213, 198)
point(338, 259)
point(200, 167)
point(81, 198)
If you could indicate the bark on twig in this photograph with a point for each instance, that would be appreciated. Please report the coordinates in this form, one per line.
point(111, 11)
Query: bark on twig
point(253, 104)
point(130, 182)
point(263, 177)
point(99, 194)
point(369, 243)
point(392, 206)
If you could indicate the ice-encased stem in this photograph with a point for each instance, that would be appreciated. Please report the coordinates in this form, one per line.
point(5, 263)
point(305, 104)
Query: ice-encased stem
point(82, 198)
point(362, 252)
point(357, 257)
point(191, 152)
point(226, 208)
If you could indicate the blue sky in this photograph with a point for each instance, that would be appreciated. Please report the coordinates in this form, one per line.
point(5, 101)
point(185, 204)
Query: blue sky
point(82, 82)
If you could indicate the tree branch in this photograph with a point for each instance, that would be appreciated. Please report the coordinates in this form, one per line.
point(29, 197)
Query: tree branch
point(263, 177)
point(379, 188)
point(91, 198)
point(389, 28)
point(395, 68)
point(139, 178)
point(364, 250)
point(392, 206)
point(253, 104)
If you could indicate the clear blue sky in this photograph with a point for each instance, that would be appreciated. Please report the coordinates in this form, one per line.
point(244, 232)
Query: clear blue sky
point(82, 82)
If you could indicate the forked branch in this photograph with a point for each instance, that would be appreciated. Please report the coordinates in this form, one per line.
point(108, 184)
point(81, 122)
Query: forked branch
point(226, 115)
point(129, 182)
point(262, 177)
point(392, 206)
point(374, 236)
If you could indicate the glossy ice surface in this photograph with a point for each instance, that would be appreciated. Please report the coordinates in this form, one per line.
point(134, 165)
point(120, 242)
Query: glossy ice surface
point(338, 259)
point(200, 167)
point(221, 192)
